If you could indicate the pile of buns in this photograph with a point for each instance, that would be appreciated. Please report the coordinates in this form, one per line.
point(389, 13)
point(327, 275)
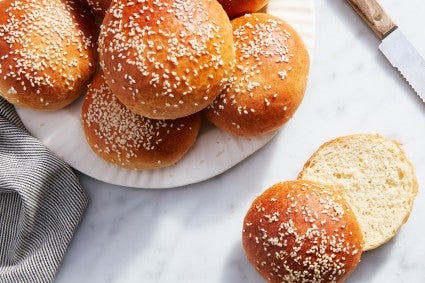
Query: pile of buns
point(352, 195)
point(158, 65)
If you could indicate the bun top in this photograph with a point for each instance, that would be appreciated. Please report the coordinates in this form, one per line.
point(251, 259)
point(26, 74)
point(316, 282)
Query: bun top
point(130, 140)
point(270, 78)
point(47, 52)
point(299, 231)
point(166, 59)
point(375, 177)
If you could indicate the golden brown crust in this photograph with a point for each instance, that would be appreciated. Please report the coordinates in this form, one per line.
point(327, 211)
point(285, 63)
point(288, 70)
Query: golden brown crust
point(269, 80)
point(299, 231)
point(235, 8)
point(166, 59)
point(47, 52)
point(129, 140)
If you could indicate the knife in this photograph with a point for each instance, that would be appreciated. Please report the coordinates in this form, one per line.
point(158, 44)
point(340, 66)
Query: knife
point(394, 45)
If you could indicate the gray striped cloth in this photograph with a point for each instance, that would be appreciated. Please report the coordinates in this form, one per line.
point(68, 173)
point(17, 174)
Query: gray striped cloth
point(41, 203)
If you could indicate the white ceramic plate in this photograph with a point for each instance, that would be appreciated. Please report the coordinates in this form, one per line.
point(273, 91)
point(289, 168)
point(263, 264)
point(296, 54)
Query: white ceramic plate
point(213, 153)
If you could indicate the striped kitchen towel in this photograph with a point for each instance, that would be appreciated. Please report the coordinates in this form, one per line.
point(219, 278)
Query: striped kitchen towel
point(41, 204)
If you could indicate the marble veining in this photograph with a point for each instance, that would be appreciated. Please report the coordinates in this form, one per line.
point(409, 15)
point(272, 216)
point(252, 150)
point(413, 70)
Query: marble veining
point(193, 234)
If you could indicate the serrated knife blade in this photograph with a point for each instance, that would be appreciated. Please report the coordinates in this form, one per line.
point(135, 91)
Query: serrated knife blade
point(402, 55)
point(406, 59)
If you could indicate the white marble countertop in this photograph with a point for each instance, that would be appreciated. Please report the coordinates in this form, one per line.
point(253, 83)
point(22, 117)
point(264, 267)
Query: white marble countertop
point(193, 234)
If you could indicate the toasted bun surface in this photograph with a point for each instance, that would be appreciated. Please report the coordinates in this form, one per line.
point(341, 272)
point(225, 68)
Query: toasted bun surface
point(269, 80)
point(299, 231)
point(47, 52)
point(166, 59)
point(376, 178)
point(129, 140)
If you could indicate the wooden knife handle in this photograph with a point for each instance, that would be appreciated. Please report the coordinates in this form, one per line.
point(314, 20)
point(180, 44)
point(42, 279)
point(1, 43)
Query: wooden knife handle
point(374, 15)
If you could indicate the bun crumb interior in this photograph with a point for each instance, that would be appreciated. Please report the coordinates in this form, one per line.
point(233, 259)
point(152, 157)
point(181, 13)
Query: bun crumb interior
point(375, 177)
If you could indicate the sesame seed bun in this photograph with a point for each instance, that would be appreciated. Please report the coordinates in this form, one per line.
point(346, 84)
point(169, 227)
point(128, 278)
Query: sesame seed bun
point(47, 52)
point(299, 231)
point(269, 80)
point(130, 140)
point(235, 8)
point(166, 59)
